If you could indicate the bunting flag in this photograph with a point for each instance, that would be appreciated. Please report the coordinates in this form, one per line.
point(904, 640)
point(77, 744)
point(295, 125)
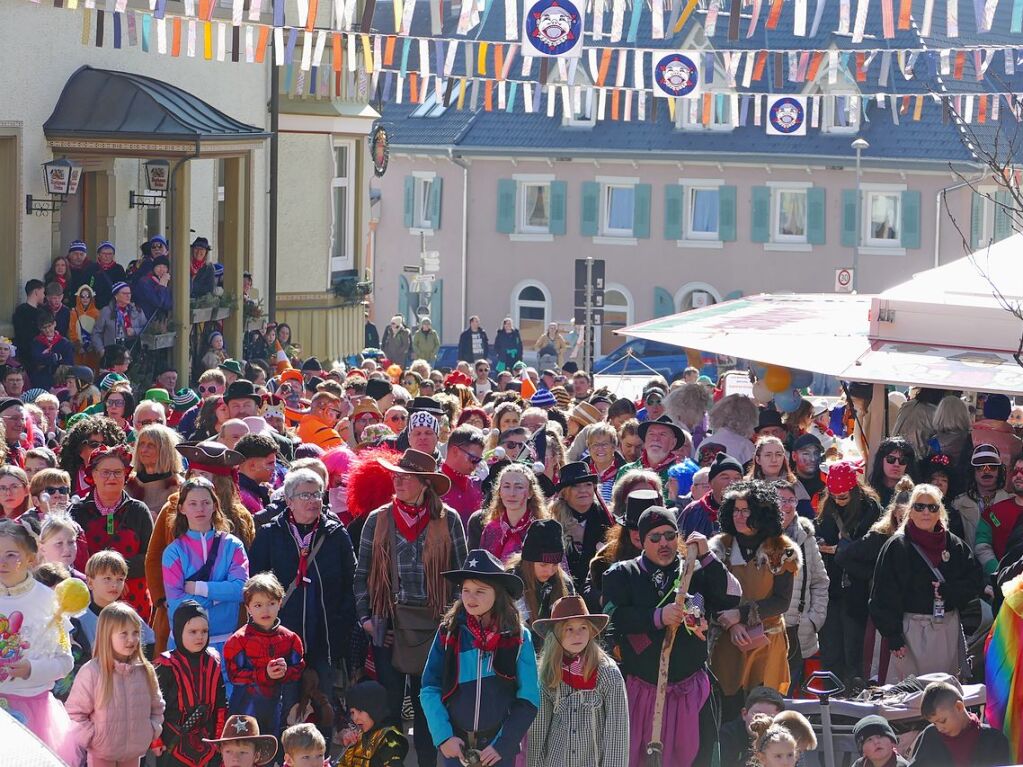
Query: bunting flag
point(786, 116)
point(554, 29)
point(676, 75)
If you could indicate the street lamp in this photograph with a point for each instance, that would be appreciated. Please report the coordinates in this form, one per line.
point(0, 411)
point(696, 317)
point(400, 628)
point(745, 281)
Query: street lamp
point(60, 178)
point(860, 145)
point(157, 182)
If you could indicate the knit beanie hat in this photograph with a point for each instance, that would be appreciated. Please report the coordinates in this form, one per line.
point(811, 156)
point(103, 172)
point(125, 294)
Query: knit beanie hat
point(543, 399)
point(184, 399)
point(997, 407)
point(841, 477)
point(653, 517)
point(724, 462)
point(370, 697)
point(543, 542)
point(869, 726)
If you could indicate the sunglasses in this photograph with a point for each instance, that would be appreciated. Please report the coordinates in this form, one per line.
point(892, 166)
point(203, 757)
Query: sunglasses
point(57, 490)
point(212, 389)
point(669, 536)
point(653, 400)
point(931, 507)
point(473, 459)
point(891, 460)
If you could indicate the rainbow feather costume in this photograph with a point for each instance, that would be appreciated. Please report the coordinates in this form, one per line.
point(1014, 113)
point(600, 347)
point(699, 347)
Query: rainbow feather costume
point(1004, 685)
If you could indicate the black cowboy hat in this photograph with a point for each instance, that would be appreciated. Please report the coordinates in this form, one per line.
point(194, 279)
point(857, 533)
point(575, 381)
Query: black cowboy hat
point(210, 453)
point(481, 565)
point(768, 418)
point(243, 389)
point(574, 474)
point(636, 503)
point(680, 435)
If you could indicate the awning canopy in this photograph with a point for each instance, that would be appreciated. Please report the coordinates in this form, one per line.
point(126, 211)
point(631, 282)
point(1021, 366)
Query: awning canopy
point(101, 109)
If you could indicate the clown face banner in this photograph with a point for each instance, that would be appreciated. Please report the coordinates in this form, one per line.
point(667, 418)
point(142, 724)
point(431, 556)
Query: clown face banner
point(786, 116)
point(553, 28)
point(676, 75)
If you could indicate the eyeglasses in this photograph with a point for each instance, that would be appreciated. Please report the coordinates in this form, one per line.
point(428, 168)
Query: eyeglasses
point(397, 417)
point(668, 536)
point(57, 490)
point(110, 473)
point(14, 417)
point(988, 469)
point(600, 446)
point(307, 496)
point(148, 422)
point(891, 460)
point(1018, 470)
point(931, 507)
point(334, 412)
point(115, 402)
point(788, 502)
point(473, 459)
point(12, 488)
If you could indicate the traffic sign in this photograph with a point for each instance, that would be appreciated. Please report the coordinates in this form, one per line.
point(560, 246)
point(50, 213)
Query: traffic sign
point(580, 298)
point(599, 270)
point(844, 280)
point(410, 268)
point(431, 261)
point(596, 314)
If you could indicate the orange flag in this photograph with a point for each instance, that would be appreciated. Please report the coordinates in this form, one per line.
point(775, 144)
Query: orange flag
point(528, 387)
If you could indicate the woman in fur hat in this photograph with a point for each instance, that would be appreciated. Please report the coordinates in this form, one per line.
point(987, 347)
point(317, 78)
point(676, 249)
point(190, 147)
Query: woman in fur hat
point(687, 405)
point(764, 561)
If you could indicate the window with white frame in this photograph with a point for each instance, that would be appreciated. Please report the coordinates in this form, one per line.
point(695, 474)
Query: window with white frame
point(789, 215)
point(617, 213)
point(342, 232)
point(690, 115)
point(841, 113)
point(702, 204)
point(581, 111)
point(431, 106)
point(882, 222)
point(534, 207)
point(421, 209)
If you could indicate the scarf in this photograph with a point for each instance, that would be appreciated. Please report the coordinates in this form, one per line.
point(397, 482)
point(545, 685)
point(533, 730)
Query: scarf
point(62, 281)
point(608, 474)
point(304, 543)
point(108, 511)
point(410, 519)
point(107, 267)
point(663, 578)
point(504, 660)
point(932, 543)
point(502, 539)
point(960, 747)
point(572, 674)
point(196, 265)
point(484, 638)
point(125, 316)
point(48, 344)
point(459, 481)
point(644, 461)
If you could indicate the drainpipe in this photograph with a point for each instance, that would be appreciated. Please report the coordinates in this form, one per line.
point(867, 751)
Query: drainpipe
point(937, 211)
point(465, 231)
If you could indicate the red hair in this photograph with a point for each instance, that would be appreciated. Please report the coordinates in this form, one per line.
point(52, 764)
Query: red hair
point(369, 484)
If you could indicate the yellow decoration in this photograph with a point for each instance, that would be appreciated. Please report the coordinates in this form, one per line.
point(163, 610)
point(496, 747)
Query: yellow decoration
point(72, 597)
point(777, 379)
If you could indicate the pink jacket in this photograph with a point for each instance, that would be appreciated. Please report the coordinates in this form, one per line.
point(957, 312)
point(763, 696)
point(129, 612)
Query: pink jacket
point(127, 724)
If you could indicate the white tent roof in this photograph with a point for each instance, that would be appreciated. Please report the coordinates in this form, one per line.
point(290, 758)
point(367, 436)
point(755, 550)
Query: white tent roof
point(943, 328)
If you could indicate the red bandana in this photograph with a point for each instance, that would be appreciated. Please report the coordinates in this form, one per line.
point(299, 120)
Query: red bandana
point(303, 542)
point(644, 461)
point(125, 316)
point(195, 266)
point(608, 474)
point(572, 674)
point(48, 344)
point(484, 639)
point(460, 481)
point(410, 520)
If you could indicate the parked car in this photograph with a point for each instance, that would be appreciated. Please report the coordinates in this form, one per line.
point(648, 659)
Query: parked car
point(637, 356)
point(447, 357)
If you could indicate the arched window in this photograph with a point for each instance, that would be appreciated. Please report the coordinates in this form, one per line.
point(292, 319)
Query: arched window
point(617, 315)
point(696, 295)
point(530, 310)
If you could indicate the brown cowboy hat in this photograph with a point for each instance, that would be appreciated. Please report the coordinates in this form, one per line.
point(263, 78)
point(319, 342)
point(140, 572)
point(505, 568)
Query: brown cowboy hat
point(366, 405)
point(240, 727)
point(567, 608)
point(419, 464)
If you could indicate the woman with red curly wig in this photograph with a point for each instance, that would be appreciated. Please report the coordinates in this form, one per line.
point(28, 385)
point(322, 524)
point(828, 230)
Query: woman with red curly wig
point(369, 487)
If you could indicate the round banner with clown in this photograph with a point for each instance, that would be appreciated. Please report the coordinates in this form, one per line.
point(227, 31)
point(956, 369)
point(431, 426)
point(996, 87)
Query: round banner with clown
point(553, 28)
point(676, 75)
point(786, 116)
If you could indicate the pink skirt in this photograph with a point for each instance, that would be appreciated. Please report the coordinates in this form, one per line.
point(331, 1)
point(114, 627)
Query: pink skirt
point(45, 717)
point(681, 732)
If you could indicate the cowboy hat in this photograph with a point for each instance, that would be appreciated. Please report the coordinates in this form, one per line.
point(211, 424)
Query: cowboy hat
point(419, 464)
point(481, 565)
point(575, 474)
point(210, 453)
point(366, 405)
point(241, 727)
point(567, 608)
point(680, 435)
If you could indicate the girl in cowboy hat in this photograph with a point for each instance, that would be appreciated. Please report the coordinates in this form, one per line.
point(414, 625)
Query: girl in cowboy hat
point(584, 715)
point(479, 689)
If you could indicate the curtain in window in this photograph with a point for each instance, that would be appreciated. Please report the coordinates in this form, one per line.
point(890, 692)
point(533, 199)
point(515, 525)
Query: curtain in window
point(705, 210)
point(883, 217)
point(620, 207)
point(537, 205)
point(792, 213)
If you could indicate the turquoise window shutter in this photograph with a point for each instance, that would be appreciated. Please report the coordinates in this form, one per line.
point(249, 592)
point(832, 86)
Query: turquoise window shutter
point(911, 219)
point(506, 193)
point(641, 211)
point(673, 196)
point(733, 295)
point(976, 220)
point(850, 226)
point(559, 201)
point(760, 228)
point(1003, 215)
point(403, 296)
point(590, 214)
point(816, 216)
point(436, 193)
point(437, 308)
point(664, 303)
point(410, 200)
point(726, 213)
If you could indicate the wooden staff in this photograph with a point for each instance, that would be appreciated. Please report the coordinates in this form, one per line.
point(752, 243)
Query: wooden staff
point(655, 748)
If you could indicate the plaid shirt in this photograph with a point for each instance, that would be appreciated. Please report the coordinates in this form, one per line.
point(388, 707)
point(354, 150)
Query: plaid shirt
point(411, 586)
point(582, 727)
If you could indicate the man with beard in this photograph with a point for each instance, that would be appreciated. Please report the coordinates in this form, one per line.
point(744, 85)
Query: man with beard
point(984, 488)
point(998, 519)
point(664, 444)
point(639, 595)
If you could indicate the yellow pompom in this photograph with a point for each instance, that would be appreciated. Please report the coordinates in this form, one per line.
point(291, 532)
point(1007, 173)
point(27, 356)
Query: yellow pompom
point(72, 597)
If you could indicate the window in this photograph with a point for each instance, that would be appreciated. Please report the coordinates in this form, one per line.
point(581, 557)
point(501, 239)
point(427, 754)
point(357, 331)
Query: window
point(702, 205)
point(883, 219)
point(530, 307)
point(342, 231)
point(618, 209)
point(424, 189)
point(841, 114)
point(534, 208)
point(580, 111)
point(690, 115)
point(617, 315)
point(430, 107)
point(789, 215)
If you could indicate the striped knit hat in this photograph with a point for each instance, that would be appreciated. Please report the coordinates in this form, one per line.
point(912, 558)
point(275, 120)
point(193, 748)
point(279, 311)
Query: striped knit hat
point(543, 398)
point(562, 396)
point(108, 381)
point(184, 399)
point(78, 246)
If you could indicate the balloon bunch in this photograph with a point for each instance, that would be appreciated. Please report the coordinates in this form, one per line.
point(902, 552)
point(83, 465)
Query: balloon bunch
point(11, 643)
point(781, 385)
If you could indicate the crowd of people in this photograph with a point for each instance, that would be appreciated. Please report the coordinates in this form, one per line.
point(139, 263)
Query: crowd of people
point(528, 570)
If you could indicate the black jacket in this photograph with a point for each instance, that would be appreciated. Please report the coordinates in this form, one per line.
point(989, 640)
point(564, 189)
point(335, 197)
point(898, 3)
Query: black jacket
point(465, 353)
point(903, 584)
point(507, 348)
point(322, 612)
point(992, 749)
point(735, 741)
point(26, 327)
point(631, 599)
point(597, 522)
point(852, 593)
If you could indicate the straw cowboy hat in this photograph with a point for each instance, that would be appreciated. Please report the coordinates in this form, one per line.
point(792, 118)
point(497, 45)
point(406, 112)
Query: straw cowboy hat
point(421, 465)
point(567, 608)
point(239, 727)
